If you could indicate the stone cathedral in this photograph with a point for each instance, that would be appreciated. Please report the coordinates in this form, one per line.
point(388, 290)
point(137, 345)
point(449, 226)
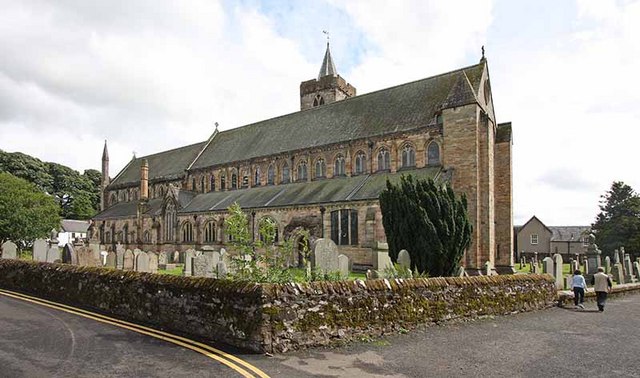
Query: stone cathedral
point(322, 168)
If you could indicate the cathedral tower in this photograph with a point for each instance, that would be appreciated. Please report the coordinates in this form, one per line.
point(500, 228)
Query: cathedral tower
point(327, 88)
point(105, 177)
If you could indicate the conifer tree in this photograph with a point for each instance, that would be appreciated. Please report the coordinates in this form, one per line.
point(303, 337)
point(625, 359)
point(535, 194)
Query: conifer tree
point(429, 221)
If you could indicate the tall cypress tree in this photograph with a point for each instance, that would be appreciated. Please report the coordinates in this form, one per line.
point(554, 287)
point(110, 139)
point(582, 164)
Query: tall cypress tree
point(429, 221)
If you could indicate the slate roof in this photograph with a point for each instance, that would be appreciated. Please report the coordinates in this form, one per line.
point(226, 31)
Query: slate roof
point(70, 225)
point(163, 165)
point(565, 233)
point(400, 108)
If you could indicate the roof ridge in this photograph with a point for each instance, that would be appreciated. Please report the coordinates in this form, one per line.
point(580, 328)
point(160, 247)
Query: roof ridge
point(171, 150)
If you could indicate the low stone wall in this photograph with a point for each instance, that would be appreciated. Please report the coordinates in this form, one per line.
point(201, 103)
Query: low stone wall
point(565, 297)
point(274, 317)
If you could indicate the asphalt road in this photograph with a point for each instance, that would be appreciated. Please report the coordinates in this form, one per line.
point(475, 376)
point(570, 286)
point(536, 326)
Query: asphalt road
point(42, 342)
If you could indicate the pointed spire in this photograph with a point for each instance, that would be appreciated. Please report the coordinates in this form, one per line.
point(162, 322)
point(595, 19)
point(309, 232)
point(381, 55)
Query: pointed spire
point(328, 68)
point(105, 152)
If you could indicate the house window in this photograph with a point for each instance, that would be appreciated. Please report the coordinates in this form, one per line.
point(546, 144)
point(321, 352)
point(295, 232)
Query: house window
point(302, 171)
point(187, 232)
point(408, 157)
point(344, 227)
point(210, 232)
point(433, 154)
point(223, 179)
point(534, 239)
point(339, 166)
point(212, 183)
point(256, 177)
point(321, 168)
point(271, 174)
point(383, 159)
point(360, 162)
point(318, 100)
point(585, 241)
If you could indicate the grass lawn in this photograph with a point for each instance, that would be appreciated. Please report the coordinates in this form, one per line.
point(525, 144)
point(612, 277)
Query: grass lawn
point(177, 271)
point(566, 269)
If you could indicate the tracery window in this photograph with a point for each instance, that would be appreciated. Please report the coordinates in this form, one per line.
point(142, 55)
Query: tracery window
point(302, 171)
point(202, 187)
point(170, 220)
point(339, 166)
point(271, 174)
point(147, 237)
point(408, 156)
point(193, 184)
point(433, 154)
point(344, 227)
point(321, 168)
point(286, 176)
point(383, 159)
point(223, 179)
point(361, 163)
point(210, 232)
point(187, 232)
point(234, 180)
point(318, 100)
point(245, 181)
point(212, 183)
point(256, 178)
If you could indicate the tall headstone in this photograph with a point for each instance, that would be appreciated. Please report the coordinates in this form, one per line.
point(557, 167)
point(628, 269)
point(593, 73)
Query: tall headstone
point(202, 266)
point(383, 261)
point(85, 256)
point(618, 273)
point(343, 263)
point(9, 250)
point(616, 257)
point(153, 262)
point(404, 260)
point(488, 268)
point(636, 269)
point(593, 257)
point(40, 250)
point(535, 257)
point(53, 253)
point(119, 259)
point(188, 256)
point(557, 271)
point(128, 262)
point(175, 258)
point(547, 265)
point(111, 260)
point(69, 255)
point(607, 265)
point(221, 269)
point(324, 256)
point(628, 268)
point(142, 262)
point(585, 266)
point(134, 258)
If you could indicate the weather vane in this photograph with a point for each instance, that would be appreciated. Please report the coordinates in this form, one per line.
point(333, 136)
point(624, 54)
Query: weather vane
point(482, 51)
point(327, 34)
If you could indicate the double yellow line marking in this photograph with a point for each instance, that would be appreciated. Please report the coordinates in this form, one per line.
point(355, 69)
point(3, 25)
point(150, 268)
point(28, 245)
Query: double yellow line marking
point(242, 367)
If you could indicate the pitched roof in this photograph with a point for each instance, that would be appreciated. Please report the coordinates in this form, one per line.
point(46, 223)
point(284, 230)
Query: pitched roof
point(569, 233)
point(400, 108)
point(163, 165)
point(70, 225)
point(327, 68)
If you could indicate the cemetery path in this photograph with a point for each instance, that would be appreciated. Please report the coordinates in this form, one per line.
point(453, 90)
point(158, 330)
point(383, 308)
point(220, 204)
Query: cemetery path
point(37, 341)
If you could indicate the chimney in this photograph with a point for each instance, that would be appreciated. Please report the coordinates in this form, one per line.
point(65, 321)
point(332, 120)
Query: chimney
point(144, 180)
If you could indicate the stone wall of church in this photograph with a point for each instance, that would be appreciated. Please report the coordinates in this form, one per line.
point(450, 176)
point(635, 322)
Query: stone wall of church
point(503, 202)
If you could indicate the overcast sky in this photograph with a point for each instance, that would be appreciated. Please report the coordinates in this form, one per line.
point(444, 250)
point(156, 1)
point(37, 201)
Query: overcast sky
point(155, 75)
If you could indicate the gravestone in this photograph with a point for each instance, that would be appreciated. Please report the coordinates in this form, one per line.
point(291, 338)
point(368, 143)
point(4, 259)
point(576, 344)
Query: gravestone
point(69, 255)
point(488, 268)
point(53, 253)
point(202, 266)
point(522, 262)
point(629, 276)
point(142, 262)
point(324, 256)
point(127, 260)
point(9, 250)
point(120, 259)
point(343, 264)
point(111, 260)
point(383, 261)
point(618, 273)
point(371, 274)
point(616, 257)
point(136, 252)
point(86, 257)
point(547, 265)
point(153, 262)
point(557, 271)
point(188, 256)
point(404, 260)
point(134, 258)
point(221, 269)
point(535, 257)
point(585, 266)
point(163, 258)
point(175, 258)
point(636, 269)
point(40, 250)
point(607, 265)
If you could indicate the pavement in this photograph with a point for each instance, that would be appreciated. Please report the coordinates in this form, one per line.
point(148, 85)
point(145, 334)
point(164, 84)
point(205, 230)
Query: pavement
point(36, 341)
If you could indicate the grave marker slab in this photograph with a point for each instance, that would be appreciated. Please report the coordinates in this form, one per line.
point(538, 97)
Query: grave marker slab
point(40, 250)
point(618, 273)
point(404, 260)
point(343, 263)
point(221, 269)
point(202, 266)
point(325, 255)
point(153, 262)
point(111, 260)
point(9, 250)
point(547, 265)
point(188, 256)
point(142, 262)
point(120, 259)
point(69, 255)
point(607, 265)
point(128, 260)
point(53, 253)
point(557, 271)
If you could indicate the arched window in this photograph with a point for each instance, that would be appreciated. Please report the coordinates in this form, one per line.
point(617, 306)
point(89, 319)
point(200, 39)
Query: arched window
point(245, 180)
point(234, 180)
point(361, 163)
point(433, 154)
point(321, 168)
point(113, 199)
point(271, 174)
point(170, 220)
point(212, 183)
point(162, 191)
point(339, 166)
point(193, 184)
point(383, 159)
point(344, 227)
point(408, 156)
point(285, 173)
point(202, 187)
point(210, 232)
point(223, 179)
point(147, 237)
point(256, 177)
point(302, 171)
point(318, 100)
point(187, 232)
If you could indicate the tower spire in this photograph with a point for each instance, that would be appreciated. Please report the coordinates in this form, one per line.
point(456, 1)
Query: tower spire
point(105, 152)
point(327, 68)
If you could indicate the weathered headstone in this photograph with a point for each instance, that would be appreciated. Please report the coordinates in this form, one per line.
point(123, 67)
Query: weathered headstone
point(488, 268)
point(119, 259)
point(636, 269)
point(134, 258)
point(142, 262)
point(607, 265)
point(69, 255)
point(221, 269)
point(616, 257)
point(630, 277)
point(111, 260)
point(383, 261)
point(343, 264)
point(324, 256)
point(163, 258)
point(557, 271)
point(53, 253)
point(9, 250)
point(40, 250)
point(176, 257)
point(153, 262)
point(547, 265)
point(85, 256)
point(404, 260)
point(585, 266)
point(128, 262)
point(618, 273)
point(535, 257)
point(202, 266)
point(188, 256)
